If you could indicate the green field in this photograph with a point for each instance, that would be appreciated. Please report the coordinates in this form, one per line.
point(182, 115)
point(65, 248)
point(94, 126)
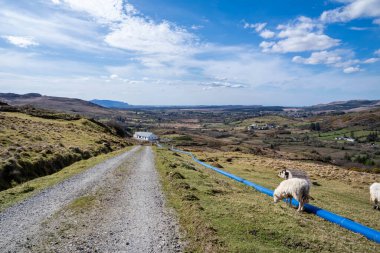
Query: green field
point(359, 134)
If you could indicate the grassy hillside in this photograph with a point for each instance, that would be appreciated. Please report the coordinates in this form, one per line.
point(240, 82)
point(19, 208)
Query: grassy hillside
point(220, 215)
point(34, 146)
point(368, 118)
point(60, 104)
point(346, 105)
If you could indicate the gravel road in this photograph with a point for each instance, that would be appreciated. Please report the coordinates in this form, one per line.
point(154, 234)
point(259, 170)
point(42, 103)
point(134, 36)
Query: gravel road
point(116, 206)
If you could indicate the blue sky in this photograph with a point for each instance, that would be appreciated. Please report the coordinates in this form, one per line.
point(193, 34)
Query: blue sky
point(170, 52)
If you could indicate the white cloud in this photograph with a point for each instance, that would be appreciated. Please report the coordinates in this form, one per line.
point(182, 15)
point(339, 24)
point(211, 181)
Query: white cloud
point(135, 33)
point(145, 36)
point(56, 1)
point(299, 27)
point(130, 9)
point(377, 52)
point(114, 76)
point(355, 28)
point(19, 41)
point(371, 60)
point(223, 84)
point(51, 29)
point(323, 57)
point(304, 34)
point(339, 58)
point(352, 10)
point(196, 27)
point(267, 34)
point(377, 21)
point(258, 27)
point(309, 42)
point(103, 10)
point(351, 69)
point(266, 45)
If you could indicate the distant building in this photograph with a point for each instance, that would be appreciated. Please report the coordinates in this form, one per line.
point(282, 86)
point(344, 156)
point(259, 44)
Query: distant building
point(345, 139)
point(145, 136)
point(257, 126)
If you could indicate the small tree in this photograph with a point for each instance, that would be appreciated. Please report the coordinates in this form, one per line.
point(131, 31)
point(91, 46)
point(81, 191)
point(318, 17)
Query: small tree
point(372, 137)
point(315, 126)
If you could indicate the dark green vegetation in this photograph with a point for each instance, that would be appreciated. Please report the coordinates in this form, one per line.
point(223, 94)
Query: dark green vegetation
point(36, 143)
point(221, 215)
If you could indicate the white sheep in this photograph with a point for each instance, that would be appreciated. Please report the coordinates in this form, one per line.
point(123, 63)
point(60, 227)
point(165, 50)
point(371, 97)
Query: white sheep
point(297, 188)
point(374, 190)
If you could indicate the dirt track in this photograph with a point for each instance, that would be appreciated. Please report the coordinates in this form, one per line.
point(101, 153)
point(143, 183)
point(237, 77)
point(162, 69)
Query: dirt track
point(116, 206)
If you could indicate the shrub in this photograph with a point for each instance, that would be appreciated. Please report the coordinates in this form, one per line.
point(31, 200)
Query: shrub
point(119, 129)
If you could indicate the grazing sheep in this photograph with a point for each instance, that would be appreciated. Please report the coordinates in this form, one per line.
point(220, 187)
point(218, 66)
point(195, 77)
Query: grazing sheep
point(291, 173)
point(297, 188)
point(374, 190)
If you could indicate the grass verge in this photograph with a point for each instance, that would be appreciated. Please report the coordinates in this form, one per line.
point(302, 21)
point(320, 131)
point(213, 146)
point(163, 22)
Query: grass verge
point(219, 215)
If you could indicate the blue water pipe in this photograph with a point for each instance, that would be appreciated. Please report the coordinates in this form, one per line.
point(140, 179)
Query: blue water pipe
point(368, 232)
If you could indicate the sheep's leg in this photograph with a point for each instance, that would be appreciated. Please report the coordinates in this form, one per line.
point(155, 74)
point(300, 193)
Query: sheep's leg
point(300, 206)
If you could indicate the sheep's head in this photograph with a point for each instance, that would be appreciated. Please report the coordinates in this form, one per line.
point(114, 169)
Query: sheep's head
point(284, 174)
point(276, 198)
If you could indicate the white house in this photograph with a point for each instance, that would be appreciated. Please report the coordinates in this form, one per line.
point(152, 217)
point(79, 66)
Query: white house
point(345, 139)
point(262, 126)
point(145, 136)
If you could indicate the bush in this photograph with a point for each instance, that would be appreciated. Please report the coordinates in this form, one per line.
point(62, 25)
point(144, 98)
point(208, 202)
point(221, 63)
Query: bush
point(315, 126)
point(363, 159)
point(119, 129)
point(327, 158)
point(372, 137)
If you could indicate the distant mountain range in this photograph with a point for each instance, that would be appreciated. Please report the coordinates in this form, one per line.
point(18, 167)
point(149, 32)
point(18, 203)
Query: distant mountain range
point(99, 107)
point(111, 104)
